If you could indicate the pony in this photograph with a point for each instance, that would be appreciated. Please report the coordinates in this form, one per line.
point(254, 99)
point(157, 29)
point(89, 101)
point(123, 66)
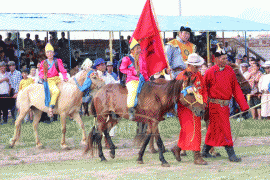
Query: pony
point(68, 104)
point(110, 105)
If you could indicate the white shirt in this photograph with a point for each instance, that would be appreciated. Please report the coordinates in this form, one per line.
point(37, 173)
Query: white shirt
point(264, 82)
point(4, 86)
point(107, 77)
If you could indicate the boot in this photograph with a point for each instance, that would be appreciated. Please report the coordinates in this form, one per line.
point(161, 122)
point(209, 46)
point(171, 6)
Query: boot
point(231, 154)
point(205, 151)
point(176, 152)
point(131, 114)
point(198, 158)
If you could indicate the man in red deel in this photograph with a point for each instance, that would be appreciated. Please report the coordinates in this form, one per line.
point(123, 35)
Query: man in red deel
point(221, 83)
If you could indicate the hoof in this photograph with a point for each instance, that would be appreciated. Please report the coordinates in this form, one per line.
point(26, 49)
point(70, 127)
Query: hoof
point(65, 147)
point(217, 155)
point(104, 160)
point(140, 161)
point(84, 143)
point(11, 146)
point(165, 165)
point(40, 146)
point(112, 156)
point(153, 151)
point(183, 154)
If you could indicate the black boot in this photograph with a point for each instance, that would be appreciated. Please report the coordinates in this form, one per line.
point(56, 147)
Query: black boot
point(205, 151)
point(131, 114)
point(231, 154)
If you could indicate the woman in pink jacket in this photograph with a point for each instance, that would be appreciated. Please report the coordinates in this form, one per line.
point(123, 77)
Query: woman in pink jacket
point(133, 66)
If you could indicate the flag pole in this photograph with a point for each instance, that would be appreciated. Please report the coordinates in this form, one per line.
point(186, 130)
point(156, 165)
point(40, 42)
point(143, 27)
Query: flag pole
point(169, 67)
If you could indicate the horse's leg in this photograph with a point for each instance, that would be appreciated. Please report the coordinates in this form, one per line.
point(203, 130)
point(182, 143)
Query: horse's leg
point(18, 122)
point(98, 141)
point(160, 145)
point(37, 115)
point(63, 123)
point(77, 118)
point(109, 140)
point(141, 152)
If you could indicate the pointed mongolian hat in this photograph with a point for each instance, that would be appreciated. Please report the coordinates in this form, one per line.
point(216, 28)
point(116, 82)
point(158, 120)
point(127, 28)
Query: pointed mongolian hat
point(49, 47)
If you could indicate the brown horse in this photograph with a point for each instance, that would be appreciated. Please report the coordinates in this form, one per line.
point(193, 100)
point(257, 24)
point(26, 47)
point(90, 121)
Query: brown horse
point(68, 104)
point(110, 105)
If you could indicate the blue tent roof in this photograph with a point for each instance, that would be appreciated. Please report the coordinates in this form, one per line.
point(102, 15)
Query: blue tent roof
point(103, 22)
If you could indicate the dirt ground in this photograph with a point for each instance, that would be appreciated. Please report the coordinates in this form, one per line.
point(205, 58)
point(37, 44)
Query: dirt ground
point(125, 149)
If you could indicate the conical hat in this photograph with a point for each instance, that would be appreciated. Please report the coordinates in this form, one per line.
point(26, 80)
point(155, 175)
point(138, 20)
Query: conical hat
point(49, 47)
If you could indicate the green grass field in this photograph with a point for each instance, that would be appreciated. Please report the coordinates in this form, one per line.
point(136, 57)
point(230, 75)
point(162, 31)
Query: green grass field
point(126, 168)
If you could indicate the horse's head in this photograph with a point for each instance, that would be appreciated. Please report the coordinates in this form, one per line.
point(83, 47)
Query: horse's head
point(244, 84)
point(191, 98)
point(97, 82)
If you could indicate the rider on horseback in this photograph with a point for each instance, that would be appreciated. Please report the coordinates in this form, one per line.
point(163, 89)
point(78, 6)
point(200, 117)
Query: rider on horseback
point(49, 71)
point(132, 66)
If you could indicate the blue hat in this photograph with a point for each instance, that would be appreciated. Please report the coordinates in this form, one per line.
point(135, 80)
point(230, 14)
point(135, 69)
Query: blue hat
point(98, 62)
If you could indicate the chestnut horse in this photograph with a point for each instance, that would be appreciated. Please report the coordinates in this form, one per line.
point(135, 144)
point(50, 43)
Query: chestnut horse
point(110, 105)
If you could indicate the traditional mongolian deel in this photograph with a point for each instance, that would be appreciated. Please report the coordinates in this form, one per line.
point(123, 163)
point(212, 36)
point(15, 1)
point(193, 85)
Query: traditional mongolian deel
point(190, 134)
point(221, 85)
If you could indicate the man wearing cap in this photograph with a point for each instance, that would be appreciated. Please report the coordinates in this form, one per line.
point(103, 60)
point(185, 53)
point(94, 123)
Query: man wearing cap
point(133, 66)
point(4, 91)
point(238, 59)
point(49, 69)
point(15, 78)
point(110, 70)
point(178, 49)
point(190, 134)
point(221, 84)
point(264, 88)
point(100, 66)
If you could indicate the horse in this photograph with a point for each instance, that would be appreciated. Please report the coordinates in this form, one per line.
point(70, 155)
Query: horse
point(68, 104)
point(110, 105)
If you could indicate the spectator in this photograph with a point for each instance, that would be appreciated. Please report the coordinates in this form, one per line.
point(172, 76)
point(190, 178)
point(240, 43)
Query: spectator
point(18, 40)
point(254, 98)
point(23, 84)
point(245, 60)
point(4, 91)
point(3, 57)
point(9, 44)
point(37, 44)
point(244, 69)
point(238, 59)
point(203, 69)
point(101, 70)
point(167, 74)
point(3, 46)
point(33, 74)
point(264, 89)
point(110, 70)
point(15, 77)
point(63, 42)
point(228, 49)
point(28, 43)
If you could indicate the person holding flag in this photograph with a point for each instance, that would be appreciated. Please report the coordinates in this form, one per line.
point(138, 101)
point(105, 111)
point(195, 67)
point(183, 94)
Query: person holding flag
point(178, 49)
point(49, 72)
point(132, 66)
point(146, 58)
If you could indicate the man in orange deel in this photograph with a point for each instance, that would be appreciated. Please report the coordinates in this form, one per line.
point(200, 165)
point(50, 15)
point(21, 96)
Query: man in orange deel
point(190, 134)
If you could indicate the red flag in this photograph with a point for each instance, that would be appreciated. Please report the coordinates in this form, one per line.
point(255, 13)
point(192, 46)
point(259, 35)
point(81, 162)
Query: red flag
point(147, 34)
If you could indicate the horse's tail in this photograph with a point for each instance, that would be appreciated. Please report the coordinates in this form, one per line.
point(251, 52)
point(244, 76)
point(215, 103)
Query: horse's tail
point(91, 141)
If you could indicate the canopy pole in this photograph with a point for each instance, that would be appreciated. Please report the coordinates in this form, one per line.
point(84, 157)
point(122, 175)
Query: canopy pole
point(164, 38)
point(18, 49)
point(208, 47)
point(69, 49)
point(120, 49)
point(223, 40)
point(111, 56)
point(246, 43)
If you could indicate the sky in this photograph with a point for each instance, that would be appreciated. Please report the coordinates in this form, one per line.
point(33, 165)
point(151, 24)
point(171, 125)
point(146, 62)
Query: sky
point(258, 10)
